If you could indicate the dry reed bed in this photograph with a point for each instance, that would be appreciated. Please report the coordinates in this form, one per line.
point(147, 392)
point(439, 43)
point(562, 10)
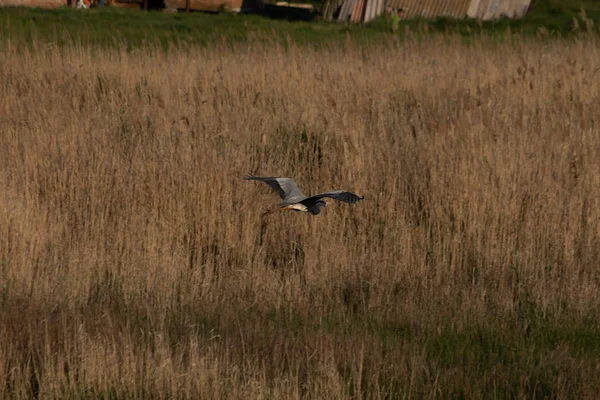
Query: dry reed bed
point(135, 261)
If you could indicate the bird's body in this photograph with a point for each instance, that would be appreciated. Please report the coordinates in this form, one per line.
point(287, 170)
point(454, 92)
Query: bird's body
point(294, 199)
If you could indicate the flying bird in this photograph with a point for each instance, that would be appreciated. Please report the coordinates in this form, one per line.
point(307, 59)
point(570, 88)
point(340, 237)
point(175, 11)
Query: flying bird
point(294, 199)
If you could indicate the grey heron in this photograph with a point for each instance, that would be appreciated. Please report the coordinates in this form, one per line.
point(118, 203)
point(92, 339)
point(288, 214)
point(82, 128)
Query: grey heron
point(294, 199)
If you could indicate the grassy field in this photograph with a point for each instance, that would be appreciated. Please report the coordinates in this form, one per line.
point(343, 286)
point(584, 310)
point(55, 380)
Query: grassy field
point(109, 27)
point(135, 262)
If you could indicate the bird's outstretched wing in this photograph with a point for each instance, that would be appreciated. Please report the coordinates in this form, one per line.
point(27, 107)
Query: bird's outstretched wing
point(285, 187)
point(339, 195)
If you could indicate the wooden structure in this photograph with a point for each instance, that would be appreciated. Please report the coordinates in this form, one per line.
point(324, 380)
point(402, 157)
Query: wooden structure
point(200, 5)
point(34, 3)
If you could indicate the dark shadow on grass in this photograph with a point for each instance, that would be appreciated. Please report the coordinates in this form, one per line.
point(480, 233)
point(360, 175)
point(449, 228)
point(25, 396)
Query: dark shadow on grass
point(286, 13)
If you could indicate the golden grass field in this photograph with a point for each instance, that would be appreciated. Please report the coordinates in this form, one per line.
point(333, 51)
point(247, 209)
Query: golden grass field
point(135, 261)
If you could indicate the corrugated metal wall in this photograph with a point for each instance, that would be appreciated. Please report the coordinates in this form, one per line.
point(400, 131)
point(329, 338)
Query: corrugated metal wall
point(484, 9)
point(432, 8)
point(490, 9)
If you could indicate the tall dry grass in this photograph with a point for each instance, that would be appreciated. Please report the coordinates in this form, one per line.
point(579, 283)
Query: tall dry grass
point(135, 261)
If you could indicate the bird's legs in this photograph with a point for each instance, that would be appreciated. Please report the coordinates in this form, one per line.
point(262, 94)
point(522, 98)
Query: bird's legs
point(263, 220)
point(270, 210)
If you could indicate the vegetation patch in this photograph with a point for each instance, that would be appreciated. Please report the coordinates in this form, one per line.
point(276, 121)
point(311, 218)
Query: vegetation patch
point(137, 262)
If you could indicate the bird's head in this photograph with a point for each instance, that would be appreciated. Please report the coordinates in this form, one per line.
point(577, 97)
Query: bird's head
point(316, 207)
